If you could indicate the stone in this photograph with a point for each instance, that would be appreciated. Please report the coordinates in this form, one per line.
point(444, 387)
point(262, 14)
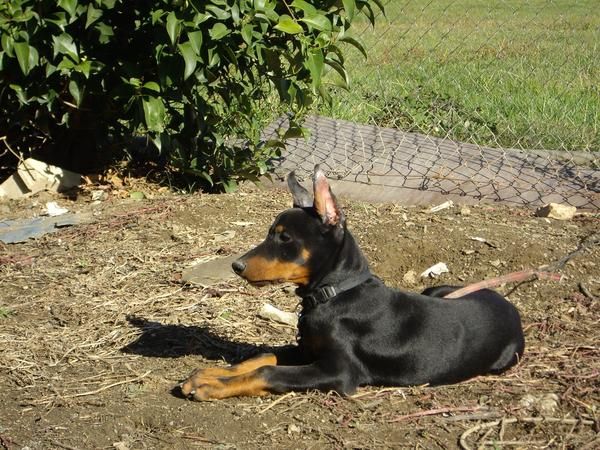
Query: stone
point(556, 211)
point(34, 176)
point(410, 278)
point(210, 272)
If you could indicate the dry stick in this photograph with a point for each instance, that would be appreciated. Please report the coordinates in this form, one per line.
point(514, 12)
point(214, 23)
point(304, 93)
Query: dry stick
point(543, 272)
point(279, 400)
point(508, 278)
point(483, 426)
point(432, 412)
point(131, 380)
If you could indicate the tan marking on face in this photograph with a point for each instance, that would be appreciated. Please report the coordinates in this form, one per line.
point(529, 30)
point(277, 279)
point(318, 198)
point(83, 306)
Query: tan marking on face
point(279, 229)
point(259, 269)
point(305, 254)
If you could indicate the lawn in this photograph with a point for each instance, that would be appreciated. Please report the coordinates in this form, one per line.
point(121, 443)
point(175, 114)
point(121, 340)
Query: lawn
point(499, 73)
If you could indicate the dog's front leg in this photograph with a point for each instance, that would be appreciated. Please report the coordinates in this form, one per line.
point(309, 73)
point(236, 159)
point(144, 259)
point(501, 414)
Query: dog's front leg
point(271, 379)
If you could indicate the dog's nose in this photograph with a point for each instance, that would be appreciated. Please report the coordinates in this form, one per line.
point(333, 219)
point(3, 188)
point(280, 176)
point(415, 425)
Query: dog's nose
point(238, 266)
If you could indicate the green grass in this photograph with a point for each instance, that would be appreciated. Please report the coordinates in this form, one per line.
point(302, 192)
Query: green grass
point(522, 74)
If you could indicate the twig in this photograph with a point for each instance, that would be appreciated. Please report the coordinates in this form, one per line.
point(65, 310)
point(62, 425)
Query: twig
point(432, 412)
point(584, 290)
point(543, 272)
point(483, 426)
point(279, 400)
point(104, 388)
point(61, 445)
point(15, 154)
point(586, 242)
point(508, 278)
point(484, 415)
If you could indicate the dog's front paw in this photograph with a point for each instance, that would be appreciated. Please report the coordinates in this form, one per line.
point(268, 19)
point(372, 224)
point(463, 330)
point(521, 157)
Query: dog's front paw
point(199, 385)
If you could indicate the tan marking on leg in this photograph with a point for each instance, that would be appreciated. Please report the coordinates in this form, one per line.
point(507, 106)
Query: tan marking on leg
point(246, 385)
point(210, 376)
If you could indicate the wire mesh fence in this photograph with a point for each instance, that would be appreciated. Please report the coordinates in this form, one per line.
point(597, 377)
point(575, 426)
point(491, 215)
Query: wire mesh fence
point(495, 100)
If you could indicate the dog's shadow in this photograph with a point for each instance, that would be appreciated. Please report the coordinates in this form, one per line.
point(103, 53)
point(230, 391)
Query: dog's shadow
point(171, 341)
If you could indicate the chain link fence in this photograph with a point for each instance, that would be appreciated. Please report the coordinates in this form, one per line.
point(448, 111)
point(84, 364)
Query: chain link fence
point(481, 100)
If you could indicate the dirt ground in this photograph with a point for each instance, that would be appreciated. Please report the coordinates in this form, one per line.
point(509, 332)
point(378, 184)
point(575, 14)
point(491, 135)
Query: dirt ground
point(97, 330)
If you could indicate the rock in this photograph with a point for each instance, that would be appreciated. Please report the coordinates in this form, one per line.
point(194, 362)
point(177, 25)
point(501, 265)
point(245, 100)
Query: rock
point(435, 270)
point(464, 211)
point(293, 429)
point(210, 272)
point(99, 195)
point(546, 404)
point(137, 195)
point(34, 176)
point(556, 211)
point(410, 278)
point(445, 205)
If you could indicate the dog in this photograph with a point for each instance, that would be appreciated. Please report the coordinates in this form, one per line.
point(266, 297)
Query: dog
point(352, 329)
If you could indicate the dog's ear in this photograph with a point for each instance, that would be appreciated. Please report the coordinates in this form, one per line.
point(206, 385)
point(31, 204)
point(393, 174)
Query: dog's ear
point(302, 198)
point(326, 204)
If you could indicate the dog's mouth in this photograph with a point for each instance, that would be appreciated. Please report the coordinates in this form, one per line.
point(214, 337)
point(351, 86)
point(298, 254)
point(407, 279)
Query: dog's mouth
point(262, 283)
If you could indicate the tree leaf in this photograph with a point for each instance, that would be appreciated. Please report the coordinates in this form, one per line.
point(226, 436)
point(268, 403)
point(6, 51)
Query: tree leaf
point(8, 43)
point(305, 7)
point(190, 58)
point(154, 113)
point(21, 95)
point(75, 92)
point(84, 67)
point(70, 6)
point(288, 25)
point(63, 44)
point(314, 63)
point(350, 8)
point(355, 43)
point(247, 31)
point(219, 31)
point(340, 70)
point(173, 27)
point(27, 56)
point(152, 86)
point(93, 15)
point(195, 38)
point(319, 22)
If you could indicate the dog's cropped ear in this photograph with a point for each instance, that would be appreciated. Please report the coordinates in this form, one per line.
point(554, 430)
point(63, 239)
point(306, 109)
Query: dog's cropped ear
point(302, 198)
point(326, 204)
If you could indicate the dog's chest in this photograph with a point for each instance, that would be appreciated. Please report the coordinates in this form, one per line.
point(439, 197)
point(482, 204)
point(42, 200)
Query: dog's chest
point(314, 336)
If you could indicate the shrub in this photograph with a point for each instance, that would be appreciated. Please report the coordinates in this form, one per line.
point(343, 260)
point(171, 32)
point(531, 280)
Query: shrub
point(196, 77)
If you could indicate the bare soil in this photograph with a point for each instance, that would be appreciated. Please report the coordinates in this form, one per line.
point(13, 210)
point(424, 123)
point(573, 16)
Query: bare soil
point(97, 330)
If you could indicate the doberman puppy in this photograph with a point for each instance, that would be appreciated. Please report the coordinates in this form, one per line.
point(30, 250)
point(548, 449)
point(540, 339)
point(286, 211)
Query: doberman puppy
point(353, 330)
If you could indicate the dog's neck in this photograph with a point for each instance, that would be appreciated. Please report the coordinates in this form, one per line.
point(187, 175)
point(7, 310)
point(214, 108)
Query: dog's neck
point(346, 268)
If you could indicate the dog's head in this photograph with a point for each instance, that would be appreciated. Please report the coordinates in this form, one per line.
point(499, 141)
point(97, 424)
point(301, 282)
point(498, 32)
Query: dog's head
point(300, 239)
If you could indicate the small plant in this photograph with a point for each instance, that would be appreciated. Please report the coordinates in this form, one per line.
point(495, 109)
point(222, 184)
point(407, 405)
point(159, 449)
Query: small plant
point(198, 78)
point(6, 312)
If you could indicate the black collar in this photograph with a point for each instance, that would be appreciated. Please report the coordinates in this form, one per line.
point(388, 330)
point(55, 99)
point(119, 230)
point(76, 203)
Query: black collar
point(322, 294)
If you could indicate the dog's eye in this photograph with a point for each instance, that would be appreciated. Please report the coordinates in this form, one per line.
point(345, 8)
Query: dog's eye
point(284, 237)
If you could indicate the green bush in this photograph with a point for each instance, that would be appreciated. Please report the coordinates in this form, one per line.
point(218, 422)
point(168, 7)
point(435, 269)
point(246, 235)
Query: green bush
point(78, 78)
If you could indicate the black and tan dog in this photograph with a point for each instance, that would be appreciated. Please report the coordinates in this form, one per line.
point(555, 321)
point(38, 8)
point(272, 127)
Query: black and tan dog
point(353, 330)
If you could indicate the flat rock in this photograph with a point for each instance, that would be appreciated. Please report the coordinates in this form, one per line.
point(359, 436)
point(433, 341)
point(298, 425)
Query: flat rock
point(211, 272)
point(557, 211)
